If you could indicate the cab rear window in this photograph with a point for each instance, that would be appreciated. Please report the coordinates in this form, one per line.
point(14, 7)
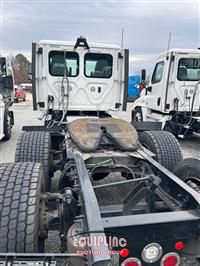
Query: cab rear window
point(98, 65)
point(57, 62)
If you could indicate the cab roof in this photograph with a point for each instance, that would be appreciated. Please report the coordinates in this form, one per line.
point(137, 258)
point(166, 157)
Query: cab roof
point(181, 51)
point(71, 44)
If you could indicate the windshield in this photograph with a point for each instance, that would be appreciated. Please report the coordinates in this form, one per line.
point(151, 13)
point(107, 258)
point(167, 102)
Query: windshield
point(189, 69)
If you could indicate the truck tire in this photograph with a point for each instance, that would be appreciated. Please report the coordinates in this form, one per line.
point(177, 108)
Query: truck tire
point(20, 188)
point(7, 125)
point(137, 114)
point(34, 146)
point(164, 145)
point(189, 169)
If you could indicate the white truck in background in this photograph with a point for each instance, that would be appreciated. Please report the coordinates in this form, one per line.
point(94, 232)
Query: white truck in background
point(6, 99)
point(172, 98)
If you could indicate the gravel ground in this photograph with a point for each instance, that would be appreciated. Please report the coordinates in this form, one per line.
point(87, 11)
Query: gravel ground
point(24, 116)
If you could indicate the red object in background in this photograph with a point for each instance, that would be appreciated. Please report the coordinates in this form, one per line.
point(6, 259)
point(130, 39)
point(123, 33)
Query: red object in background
point(124, 252)
point(20, 94)
point(142, 86)
point(179, 245)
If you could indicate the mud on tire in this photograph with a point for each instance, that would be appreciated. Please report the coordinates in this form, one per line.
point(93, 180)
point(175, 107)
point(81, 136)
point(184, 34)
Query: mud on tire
point(20, 187)
point(34, 146)
point(164, 145)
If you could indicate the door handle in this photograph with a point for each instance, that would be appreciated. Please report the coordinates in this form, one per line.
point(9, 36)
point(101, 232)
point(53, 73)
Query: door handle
point(99, 89)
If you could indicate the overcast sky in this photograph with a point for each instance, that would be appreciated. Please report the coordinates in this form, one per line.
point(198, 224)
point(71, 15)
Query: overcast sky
point(146, 24)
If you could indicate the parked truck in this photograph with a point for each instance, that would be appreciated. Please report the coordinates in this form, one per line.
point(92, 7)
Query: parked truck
point(6, 99)
point(75, 85)
point(172, 98)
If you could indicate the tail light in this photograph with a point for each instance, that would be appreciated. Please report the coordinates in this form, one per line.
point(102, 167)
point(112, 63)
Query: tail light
point(131, 262)
point(152, 253)
point(179, 245)
point(171, 259)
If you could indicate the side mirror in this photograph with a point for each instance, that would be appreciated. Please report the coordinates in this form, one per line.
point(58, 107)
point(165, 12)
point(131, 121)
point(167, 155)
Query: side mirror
point(143, 75)
point(29, 76)
point(30, 69)
point(3, 67)
point(137, 86)
point(149, 89)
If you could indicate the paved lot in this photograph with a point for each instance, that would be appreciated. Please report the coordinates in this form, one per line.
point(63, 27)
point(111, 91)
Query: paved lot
point(24, 116)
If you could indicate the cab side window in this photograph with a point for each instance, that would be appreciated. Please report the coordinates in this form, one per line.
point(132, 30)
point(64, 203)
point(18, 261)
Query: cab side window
point(158, 73)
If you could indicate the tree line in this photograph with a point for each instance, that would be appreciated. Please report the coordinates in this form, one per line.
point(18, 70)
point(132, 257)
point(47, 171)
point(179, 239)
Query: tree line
point(20, 68)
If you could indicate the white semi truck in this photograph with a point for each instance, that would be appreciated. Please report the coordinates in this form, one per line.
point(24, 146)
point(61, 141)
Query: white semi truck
point(6, 99)
point(172, 99)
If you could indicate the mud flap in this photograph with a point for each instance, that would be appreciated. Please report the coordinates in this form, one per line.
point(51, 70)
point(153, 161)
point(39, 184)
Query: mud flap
point(146, 126)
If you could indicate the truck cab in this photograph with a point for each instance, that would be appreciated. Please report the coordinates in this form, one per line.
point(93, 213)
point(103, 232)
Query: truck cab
point(172, 96)
point(79, 77)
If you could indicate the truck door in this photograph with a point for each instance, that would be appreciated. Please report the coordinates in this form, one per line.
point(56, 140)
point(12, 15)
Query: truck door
point(96, 87)
point(155, 99)
point(186, 78)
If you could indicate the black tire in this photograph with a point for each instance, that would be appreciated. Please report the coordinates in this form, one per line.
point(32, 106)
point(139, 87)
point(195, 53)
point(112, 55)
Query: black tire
point(189, 169)
point(136, 114)
point(164, 145)
point(172, 128)
point(34, 146)
point(7, 125)
point(20, 188)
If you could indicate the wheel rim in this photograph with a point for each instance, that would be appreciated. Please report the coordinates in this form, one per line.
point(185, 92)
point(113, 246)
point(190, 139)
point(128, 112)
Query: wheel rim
point(194, 179)
point(145, 146)
point(138, 117)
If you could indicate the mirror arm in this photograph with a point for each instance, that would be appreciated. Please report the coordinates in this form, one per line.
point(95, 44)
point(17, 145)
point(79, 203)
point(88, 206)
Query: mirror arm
point(149, 88)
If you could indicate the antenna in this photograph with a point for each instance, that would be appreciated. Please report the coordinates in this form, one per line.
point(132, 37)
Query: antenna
point(169, 42)
point(122, 41)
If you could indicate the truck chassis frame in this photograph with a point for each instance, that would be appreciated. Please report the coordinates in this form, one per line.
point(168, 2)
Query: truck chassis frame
point(158, 200)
